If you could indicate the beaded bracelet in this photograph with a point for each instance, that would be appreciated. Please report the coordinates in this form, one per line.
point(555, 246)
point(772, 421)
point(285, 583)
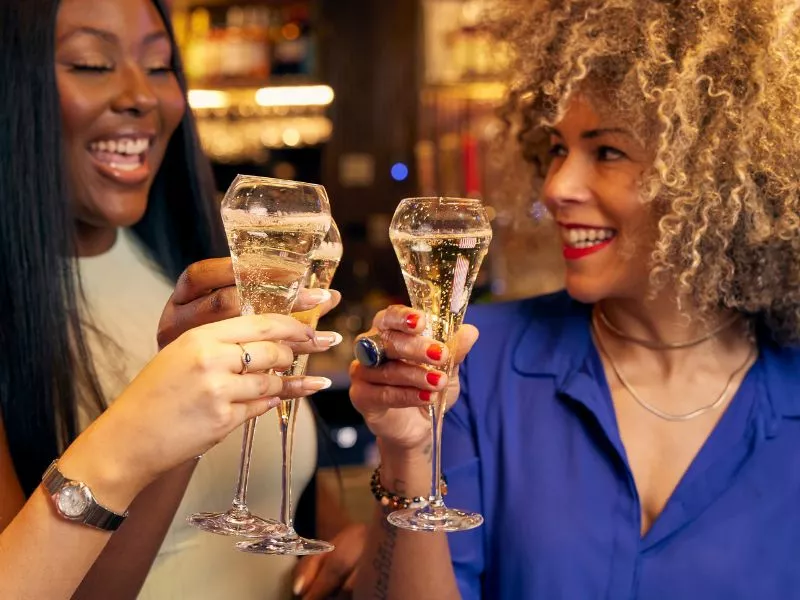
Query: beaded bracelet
point(393, 501)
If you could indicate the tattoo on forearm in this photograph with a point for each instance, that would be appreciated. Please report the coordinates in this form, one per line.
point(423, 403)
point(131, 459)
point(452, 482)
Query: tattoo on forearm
point(427, 450)
point(399, 487)
point(384, 556)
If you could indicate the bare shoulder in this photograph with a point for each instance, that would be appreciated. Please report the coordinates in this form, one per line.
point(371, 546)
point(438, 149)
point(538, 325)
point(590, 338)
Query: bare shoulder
point(11, 496)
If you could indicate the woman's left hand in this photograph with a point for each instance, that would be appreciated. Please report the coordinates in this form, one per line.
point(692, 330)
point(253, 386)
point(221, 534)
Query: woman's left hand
point(206, 292)
point(332, 575)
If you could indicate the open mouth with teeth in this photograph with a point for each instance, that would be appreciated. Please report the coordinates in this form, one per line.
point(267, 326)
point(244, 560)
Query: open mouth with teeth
point(582, 239)
point(126, 154)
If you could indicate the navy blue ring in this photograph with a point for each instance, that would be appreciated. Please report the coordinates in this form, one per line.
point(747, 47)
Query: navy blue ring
point(369, 351)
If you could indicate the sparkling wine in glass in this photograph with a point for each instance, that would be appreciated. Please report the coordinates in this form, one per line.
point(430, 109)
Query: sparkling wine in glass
point(273, 227)
point(284, 539)
point(440, 244)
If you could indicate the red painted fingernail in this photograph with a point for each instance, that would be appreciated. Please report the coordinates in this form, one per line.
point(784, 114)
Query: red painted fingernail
point(433, 378)
point(434, 352)
point(412, 321)
point(425, 396)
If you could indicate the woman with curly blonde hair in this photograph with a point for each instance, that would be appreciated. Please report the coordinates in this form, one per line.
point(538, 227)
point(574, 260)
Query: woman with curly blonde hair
point(637, 436)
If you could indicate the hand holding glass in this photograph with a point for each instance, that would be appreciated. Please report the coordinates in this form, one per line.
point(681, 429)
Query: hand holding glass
point(273, 227)
point(284, 539)
point(440, 243)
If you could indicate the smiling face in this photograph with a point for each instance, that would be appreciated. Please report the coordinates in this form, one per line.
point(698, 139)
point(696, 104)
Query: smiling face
point(120, 104)
point(592, 191)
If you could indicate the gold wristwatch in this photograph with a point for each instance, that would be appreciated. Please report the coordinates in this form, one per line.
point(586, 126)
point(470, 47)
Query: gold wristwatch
point(74, 501)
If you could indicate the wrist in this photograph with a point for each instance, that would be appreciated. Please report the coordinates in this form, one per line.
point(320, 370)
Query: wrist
point(113, 483)
point(396, 499)
point(405, 472)
point(404, 456)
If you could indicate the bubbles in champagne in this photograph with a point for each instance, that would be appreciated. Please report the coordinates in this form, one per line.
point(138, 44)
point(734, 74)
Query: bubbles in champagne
point(439, 270)
point(271, 254)
point(324, 261)
point(323, 266)
point(328, 251)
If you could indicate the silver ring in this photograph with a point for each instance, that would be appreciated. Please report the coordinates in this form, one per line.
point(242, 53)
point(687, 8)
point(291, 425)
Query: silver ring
point(370, 351)
point(247, 358)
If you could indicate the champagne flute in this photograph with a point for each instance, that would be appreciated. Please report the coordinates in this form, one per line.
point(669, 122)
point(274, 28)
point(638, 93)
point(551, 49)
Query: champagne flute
point(284, 539)
point(273, 227)
point(440, 244)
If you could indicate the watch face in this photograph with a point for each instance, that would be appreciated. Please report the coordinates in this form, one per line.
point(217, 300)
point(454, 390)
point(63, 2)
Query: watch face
point(73, 500)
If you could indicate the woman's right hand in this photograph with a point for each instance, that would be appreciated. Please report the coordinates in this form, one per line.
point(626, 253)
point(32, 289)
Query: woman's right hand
point(206, 292)
point(394, 397)
point(189, 398)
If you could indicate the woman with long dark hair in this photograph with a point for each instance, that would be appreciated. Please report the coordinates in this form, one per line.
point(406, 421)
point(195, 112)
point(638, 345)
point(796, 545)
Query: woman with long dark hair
point(106, 202)
point(192, 395)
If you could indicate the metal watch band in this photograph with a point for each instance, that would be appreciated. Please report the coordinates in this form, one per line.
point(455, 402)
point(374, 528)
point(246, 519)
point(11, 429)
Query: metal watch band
point(97, 515)
point(100, 517)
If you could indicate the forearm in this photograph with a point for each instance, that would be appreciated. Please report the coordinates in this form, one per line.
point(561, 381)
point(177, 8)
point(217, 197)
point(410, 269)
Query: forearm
point(330, 514)
point(122, 567)
point(400, 564)
point(44, 556)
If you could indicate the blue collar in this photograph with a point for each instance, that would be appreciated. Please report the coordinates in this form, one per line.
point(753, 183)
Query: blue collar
point(782, 377)
point(556, 340)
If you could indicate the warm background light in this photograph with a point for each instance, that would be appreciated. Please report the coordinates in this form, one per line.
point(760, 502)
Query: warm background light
point(307, 95)
point(208, 99)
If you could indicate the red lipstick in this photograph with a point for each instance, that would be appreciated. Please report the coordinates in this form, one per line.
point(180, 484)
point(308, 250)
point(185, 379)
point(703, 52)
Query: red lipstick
point(571, 253)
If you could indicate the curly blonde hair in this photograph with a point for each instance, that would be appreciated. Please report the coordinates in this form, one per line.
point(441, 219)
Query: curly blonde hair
point(713, 87)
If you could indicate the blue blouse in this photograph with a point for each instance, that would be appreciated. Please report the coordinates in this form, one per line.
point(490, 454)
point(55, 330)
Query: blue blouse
point(534, 446)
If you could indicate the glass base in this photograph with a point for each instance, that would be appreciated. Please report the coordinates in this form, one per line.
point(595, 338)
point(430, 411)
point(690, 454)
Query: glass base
point(234, 523)
point(435, 519)
point(287, 545)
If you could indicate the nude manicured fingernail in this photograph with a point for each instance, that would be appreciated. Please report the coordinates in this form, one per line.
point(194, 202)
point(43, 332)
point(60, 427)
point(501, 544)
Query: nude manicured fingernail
point(318, 295)
point(298, 586)
point(317, 383)
point(329, 338)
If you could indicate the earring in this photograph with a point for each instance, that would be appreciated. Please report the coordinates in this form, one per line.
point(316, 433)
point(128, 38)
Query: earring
point(538, 211)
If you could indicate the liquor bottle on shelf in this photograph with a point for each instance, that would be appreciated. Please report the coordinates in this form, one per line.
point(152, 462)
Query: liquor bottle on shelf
point(245, 49)
point(293, 48)
point(235, 50)
point(215, 49)
point(256, 31)
point(196, 53)
point(471, 165)
point(458, 46)
point(425, 154)
point(180, 25)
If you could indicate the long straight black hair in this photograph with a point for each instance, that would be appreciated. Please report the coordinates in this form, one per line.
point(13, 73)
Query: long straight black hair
point(42, 351)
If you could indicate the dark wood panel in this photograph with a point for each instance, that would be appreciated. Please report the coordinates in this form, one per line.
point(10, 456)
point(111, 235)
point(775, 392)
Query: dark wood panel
point(369, 54)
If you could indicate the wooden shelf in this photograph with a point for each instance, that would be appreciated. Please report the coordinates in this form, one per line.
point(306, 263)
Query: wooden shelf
point(488, 90)
point(188, 4)
point(231, 84)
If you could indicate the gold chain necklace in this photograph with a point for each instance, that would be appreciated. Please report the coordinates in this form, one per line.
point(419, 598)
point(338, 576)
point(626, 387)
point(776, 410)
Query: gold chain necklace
point(657, 411)
point(664, 345)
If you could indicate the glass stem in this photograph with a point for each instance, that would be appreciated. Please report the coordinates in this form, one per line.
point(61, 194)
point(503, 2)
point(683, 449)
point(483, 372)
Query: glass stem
point(437, 410)
point(286, 421)
point(239, 507)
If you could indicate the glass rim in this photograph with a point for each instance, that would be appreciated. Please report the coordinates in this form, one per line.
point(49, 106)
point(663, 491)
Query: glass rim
point(440, 198)
point(275, 181)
